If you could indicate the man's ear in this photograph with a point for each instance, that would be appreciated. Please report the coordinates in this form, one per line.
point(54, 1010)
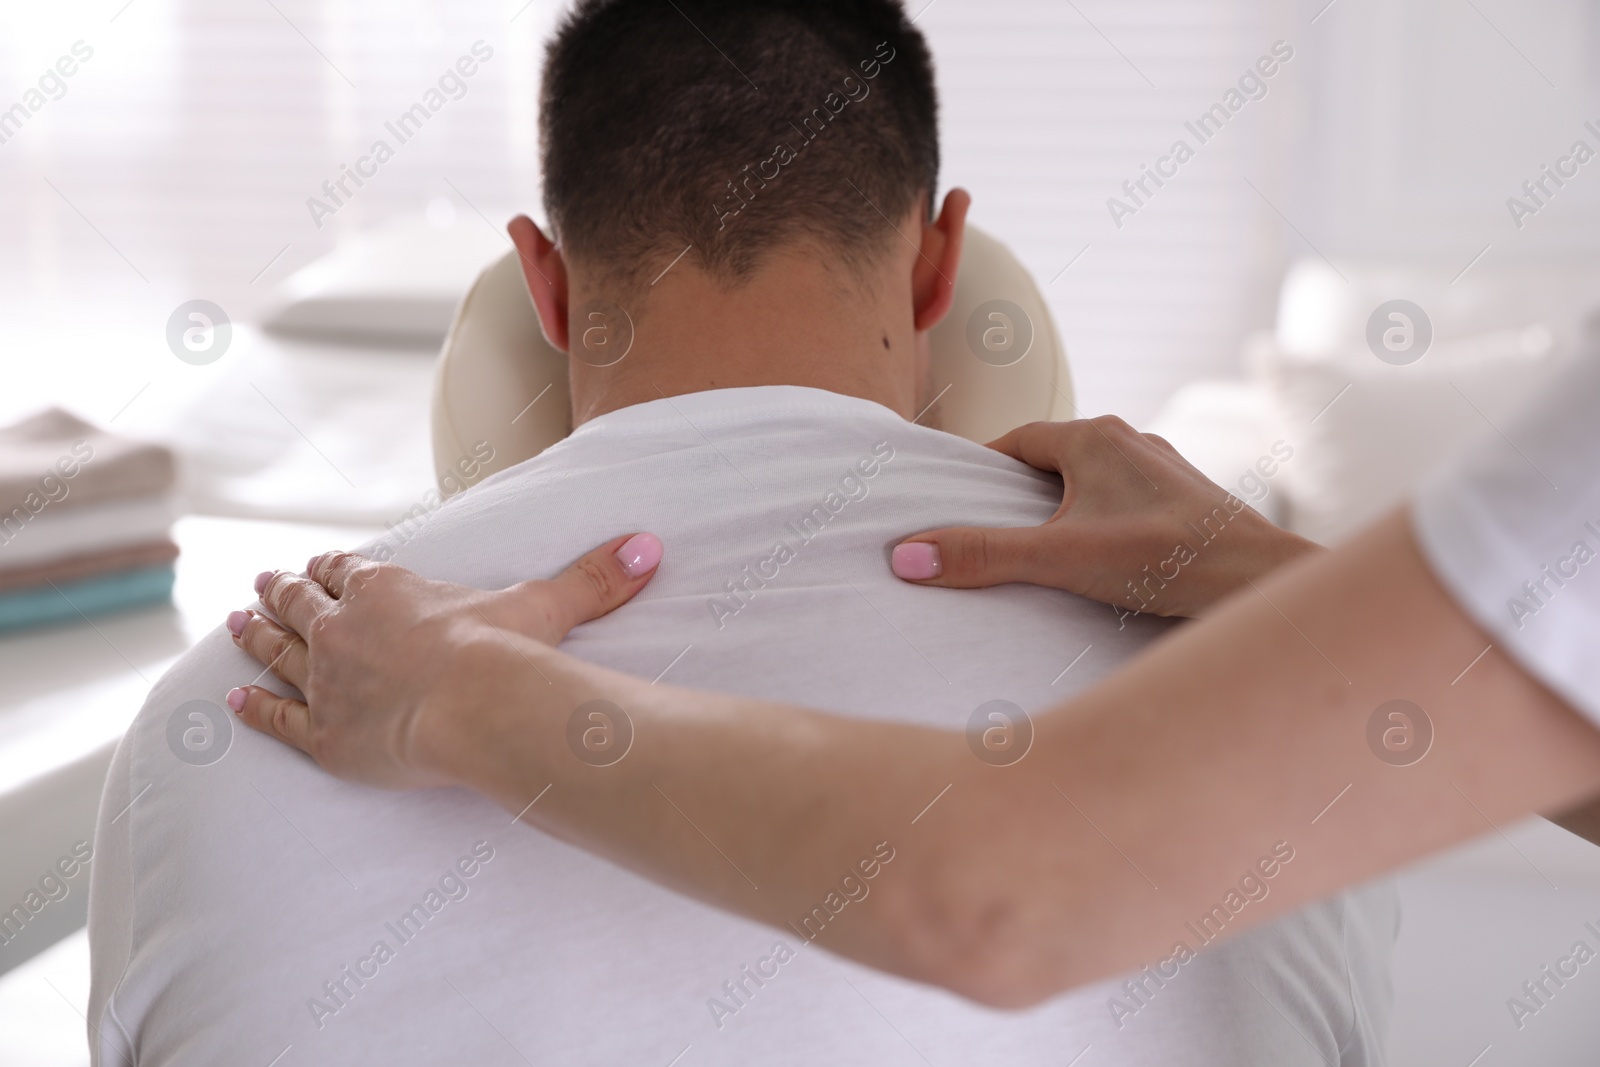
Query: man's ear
point(545, 272)
point(933, 274)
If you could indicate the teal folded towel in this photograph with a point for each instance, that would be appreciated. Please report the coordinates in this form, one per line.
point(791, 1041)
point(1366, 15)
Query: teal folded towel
point(70, 601)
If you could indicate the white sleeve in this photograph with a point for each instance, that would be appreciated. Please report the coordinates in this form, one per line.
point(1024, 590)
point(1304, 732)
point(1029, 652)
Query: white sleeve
point(1512, 528)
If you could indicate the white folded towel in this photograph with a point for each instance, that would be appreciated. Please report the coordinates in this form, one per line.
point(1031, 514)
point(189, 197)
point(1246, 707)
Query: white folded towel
point(59, 533)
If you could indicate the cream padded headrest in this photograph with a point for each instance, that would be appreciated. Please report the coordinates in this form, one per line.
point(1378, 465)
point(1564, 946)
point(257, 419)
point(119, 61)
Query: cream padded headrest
point(997, 363)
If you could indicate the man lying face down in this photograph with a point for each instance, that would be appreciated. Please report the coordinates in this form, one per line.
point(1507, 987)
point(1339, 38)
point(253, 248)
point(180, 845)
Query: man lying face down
point(751, 181)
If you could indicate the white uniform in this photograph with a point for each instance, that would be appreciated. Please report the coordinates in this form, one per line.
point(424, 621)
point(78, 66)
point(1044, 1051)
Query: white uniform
point(1512, 528)
point(255, 904)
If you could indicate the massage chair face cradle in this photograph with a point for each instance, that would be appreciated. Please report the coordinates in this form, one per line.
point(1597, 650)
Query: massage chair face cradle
point(996, 358)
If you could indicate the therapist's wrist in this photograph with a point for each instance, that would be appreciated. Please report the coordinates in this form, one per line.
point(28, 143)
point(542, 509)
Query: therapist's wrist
point(1259, 549)
point(1208, 565)
point(476, 707)
point(497, 722)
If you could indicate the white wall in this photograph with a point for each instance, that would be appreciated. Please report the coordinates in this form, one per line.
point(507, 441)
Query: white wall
point(1428, 115)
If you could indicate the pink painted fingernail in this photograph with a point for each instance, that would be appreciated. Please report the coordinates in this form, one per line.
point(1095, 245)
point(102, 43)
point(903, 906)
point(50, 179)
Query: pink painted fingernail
point(236, 622)
point(236, 699)
point(261, 581)
point(639, 554)
point(915, 561)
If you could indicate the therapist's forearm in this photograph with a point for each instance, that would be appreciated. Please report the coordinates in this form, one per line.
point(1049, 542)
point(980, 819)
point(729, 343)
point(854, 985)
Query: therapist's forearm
point(1140, 806)
point(756, 808)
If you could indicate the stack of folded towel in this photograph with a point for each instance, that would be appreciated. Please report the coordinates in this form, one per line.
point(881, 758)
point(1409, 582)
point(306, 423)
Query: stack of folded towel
point(85, 521)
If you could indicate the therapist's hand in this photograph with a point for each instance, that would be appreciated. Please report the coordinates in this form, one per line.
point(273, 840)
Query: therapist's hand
point(376, 651)
point(1138, 527)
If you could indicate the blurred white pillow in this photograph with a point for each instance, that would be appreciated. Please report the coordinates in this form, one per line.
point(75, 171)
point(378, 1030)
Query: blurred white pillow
point(398, 283)
point(1365, 432)
point(1322, 311)
point(1224, 429)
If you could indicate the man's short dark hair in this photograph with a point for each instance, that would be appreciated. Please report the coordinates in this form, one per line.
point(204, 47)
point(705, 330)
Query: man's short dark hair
point(734, 127)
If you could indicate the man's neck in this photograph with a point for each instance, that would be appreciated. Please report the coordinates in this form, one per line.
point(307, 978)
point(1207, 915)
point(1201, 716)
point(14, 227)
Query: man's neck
point(792, 323)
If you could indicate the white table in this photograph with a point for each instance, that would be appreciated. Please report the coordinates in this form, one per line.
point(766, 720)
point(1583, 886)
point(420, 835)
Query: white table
point(69, 692)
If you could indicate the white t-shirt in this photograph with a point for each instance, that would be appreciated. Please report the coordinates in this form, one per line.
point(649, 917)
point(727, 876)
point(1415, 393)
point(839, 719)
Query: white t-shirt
point(1512, 528)
point(255, 904)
